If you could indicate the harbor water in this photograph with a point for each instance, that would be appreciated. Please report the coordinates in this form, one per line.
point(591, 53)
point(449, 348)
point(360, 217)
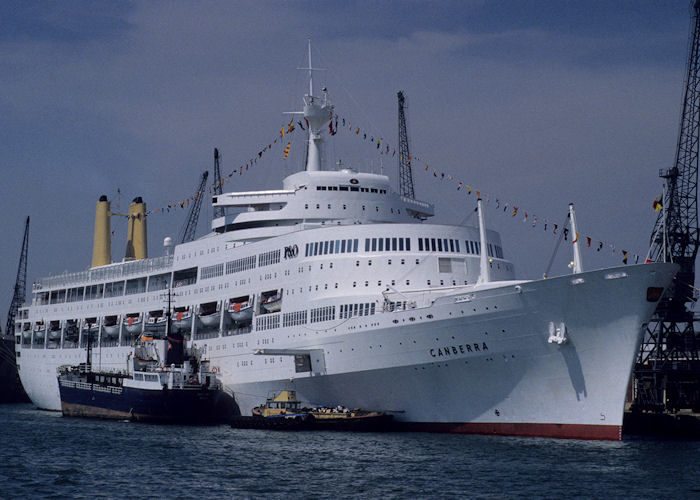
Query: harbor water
point(45, 455)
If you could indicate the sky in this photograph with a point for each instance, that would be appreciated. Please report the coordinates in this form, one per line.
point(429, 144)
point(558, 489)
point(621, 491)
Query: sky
point(534, 103)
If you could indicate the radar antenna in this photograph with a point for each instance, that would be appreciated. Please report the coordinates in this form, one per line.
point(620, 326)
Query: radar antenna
point(188, 232)
point(667, 373)
point(405, 175)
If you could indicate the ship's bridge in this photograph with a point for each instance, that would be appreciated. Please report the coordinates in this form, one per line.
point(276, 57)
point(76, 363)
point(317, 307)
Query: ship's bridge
point(318, 198)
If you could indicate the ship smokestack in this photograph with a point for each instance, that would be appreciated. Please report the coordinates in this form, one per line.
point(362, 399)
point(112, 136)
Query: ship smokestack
point(136, 243)
point(102, 247)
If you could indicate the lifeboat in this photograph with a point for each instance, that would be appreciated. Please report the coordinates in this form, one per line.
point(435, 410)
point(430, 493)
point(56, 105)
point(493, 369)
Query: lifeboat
point(110, 327)
point(182, 319)
point(90, 327)
point(71, 334)
point(26, 332)
point(39, 331)
point(54, 331)
point(241, 309)
point(156, 321)
point(273, 303)
point(210, 314)
point(133, 323)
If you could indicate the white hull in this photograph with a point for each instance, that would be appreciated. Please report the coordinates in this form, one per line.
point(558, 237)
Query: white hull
point(515, 383)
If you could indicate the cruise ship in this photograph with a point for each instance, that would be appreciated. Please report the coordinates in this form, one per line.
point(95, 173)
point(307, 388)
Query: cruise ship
point(339, 288)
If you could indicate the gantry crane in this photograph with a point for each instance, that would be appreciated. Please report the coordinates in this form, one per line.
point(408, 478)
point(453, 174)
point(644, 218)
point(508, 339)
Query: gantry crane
point(218, 189)
point(190, 227)
point(19, 294)
point(667, 373)
point(405, 175)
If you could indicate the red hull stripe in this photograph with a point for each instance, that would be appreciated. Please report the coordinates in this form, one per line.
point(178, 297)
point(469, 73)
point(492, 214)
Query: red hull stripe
point(564, 431)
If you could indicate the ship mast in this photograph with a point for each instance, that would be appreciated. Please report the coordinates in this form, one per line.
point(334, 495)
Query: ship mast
point(317, 112)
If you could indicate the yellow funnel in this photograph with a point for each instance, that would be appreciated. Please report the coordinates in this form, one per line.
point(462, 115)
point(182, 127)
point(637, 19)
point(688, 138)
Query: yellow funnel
point(136, 243)
point(102, 248)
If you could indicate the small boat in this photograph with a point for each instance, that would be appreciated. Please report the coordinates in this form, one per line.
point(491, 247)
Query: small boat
point(155, 324)
point(182, 319)
point(241, 310)
point(165, 382)
point(273, 303)
point(284, 411)
point(209, 314)
point(110, 327)
point(133, 323)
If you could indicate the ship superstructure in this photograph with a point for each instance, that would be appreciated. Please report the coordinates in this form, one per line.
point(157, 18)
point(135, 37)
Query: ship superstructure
point(342, 288)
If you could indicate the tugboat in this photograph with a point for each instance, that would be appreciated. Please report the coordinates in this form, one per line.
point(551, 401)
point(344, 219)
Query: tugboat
point(165, 383)
point(283, 411)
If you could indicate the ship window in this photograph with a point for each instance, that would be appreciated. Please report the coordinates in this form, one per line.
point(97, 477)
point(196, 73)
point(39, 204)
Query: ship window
point(306, 205)
point(457, 245)
point(318, 206)
point(316, 248)
point(332, 188)
point(343, 188)
point(354, 188)
point(374, 244)
point(420, 244)
point(329, 206)
point(183, 277)
point(432, 245)
point(366, 245)
point(452, 245)
point(387, 244)
point(162, 281)
point(393, 244)
point(354, 245)
point(439, 242)
point(325, 248)
point(381, 244)
point(373, 190)
point(408, 244)
point(401, 244)
point(363, 207)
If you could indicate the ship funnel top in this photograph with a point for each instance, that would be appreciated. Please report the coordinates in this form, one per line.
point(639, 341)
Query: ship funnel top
point(136, 243)
point(102, 246)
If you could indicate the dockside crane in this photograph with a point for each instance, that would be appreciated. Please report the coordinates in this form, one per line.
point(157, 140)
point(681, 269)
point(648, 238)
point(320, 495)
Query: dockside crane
point(20, 291)
point(190, 227)
point(218, 189)
point(405, 175)
point(667, 372)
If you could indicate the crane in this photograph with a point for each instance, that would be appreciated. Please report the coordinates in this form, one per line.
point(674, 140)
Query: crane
point(190, 227)
point(667, 372)
point(19, 294)
point(218, 211)
point(405, 175)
